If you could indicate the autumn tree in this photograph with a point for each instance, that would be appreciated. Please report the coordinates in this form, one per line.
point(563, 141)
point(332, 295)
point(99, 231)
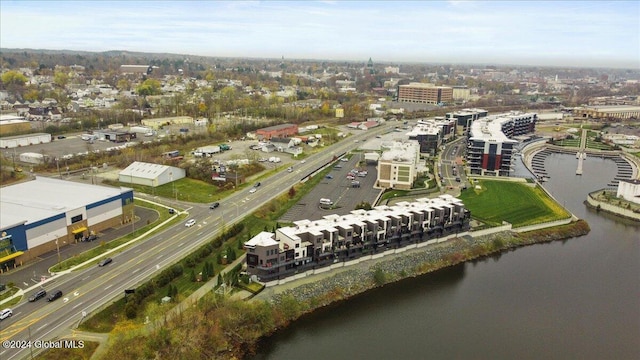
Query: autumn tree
point(149, 87)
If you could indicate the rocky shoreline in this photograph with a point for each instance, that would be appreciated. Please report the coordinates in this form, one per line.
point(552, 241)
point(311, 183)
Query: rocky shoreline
point(322, 291)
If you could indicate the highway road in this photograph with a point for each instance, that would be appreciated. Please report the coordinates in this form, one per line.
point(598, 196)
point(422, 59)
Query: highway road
point(87, 290)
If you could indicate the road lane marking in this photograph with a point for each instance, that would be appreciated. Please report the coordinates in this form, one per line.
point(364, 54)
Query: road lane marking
point(107, 288)
point(42, 327)
point(136, 270)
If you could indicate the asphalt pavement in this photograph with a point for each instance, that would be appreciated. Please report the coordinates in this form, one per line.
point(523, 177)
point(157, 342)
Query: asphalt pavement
point(34, 271)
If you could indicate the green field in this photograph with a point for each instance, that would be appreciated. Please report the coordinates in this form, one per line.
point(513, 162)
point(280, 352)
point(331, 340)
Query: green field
point(516, 203)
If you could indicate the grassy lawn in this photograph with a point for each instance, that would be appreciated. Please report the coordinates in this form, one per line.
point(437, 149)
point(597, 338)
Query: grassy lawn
point(263, 219)
point(89, 347)
point(571, 142)
point(185, 189)
point(515, 203)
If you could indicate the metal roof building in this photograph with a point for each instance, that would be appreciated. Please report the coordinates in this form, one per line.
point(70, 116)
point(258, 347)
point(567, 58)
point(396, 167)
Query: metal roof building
point(39, 215)
point(148, 174)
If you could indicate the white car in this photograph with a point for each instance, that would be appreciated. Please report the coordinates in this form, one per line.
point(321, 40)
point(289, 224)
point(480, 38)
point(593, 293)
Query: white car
point(190, 223)
point(252, 190)
point(5, 313)
point(303, 161)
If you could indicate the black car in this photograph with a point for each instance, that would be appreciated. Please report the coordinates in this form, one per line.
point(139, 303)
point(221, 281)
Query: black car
point(172, 211)
point(104, 262)
point(55, 295)
point(256, 185)
point(61, 137)
point(37, 295)
point(214, 205)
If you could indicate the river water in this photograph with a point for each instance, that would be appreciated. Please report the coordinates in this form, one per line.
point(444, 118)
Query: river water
point(573, 299)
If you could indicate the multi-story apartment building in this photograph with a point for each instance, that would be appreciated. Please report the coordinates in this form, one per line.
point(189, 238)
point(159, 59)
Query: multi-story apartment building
point(430, 133)
point(490, 143)
point(397, 166)
point(315, 243)
point(465, 117)
point(425, 93)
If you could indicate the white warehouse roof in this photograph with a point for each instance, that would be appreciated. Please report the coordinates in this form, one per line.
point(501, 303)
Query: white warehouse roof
point(145, 170)
point(43, 197)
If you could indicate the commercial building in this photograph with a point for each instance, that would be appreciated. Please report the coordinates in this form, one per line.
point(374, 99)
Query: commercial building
point(397, 166)
point(148, 174)
point(9, 142)
point(136, 69)
point(490, 142)
point(333, 238)
point(608, 112)
point(13, 124)
point(45, 214)
point(157, 123)
point(461, 93)
point(282, 130)
point(425, 93)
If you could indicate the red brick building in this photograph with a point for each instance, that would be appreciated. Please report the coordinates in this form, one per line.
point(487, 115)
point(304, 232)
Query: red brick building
point(283, 130)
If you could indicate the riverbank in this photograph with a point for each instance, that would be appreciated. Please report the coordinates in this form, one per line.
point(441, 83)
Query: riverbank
point(607, 201)
point(310, 293)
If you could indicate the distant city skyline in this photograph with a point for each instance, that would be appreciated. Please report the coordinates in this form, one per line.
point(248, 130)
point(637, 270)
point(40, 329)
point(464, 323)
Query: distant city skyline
point(543, 33)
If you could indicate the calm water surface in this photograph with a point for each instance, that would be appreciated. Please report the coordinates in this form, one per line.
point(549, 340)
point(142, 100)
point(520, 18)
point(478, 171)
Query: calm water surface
point(575, 299)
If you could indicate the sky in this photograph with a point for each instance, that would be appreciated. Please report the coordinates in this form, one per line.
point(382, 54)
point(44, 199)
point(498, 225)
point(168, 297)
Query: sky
point(546, 33)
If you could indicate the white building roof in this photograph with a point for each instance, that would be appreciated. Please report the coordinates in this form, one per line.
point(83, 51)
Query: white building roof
point(145, 170)
point(404, 152)
point(43, 197)
point(490, 128)
point(262, 239)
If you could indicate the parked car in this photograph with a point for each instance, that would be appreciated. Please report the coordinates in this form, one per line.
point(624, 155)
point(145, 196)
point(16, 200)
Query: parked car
point(172, 211)
point(37, 295)
point(329, 176)
point(92, 237)
point(458, 179)
point(54, 295)
point(105, 261)
point(61, 137)
point(214, 205)
point(5, 313)
point(190, 223)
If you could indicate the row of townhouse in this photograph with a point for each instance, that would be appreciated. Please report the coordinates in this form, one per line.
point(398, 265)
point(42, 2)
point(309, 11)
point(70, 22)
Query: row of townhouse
point(342, 237)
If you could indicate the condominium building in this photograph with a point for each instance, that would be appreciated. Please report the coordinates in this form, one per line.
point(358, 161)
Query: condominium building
point(425, 93)
point(397, 166)
point(491, 141)
point(310, 244)
point(430, 133)
point(465, 117)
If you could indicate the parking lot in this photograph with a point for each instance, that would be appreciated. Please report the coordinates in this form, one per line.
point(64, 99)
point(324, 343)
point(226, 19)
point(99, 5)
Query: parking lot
point(339, 190)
